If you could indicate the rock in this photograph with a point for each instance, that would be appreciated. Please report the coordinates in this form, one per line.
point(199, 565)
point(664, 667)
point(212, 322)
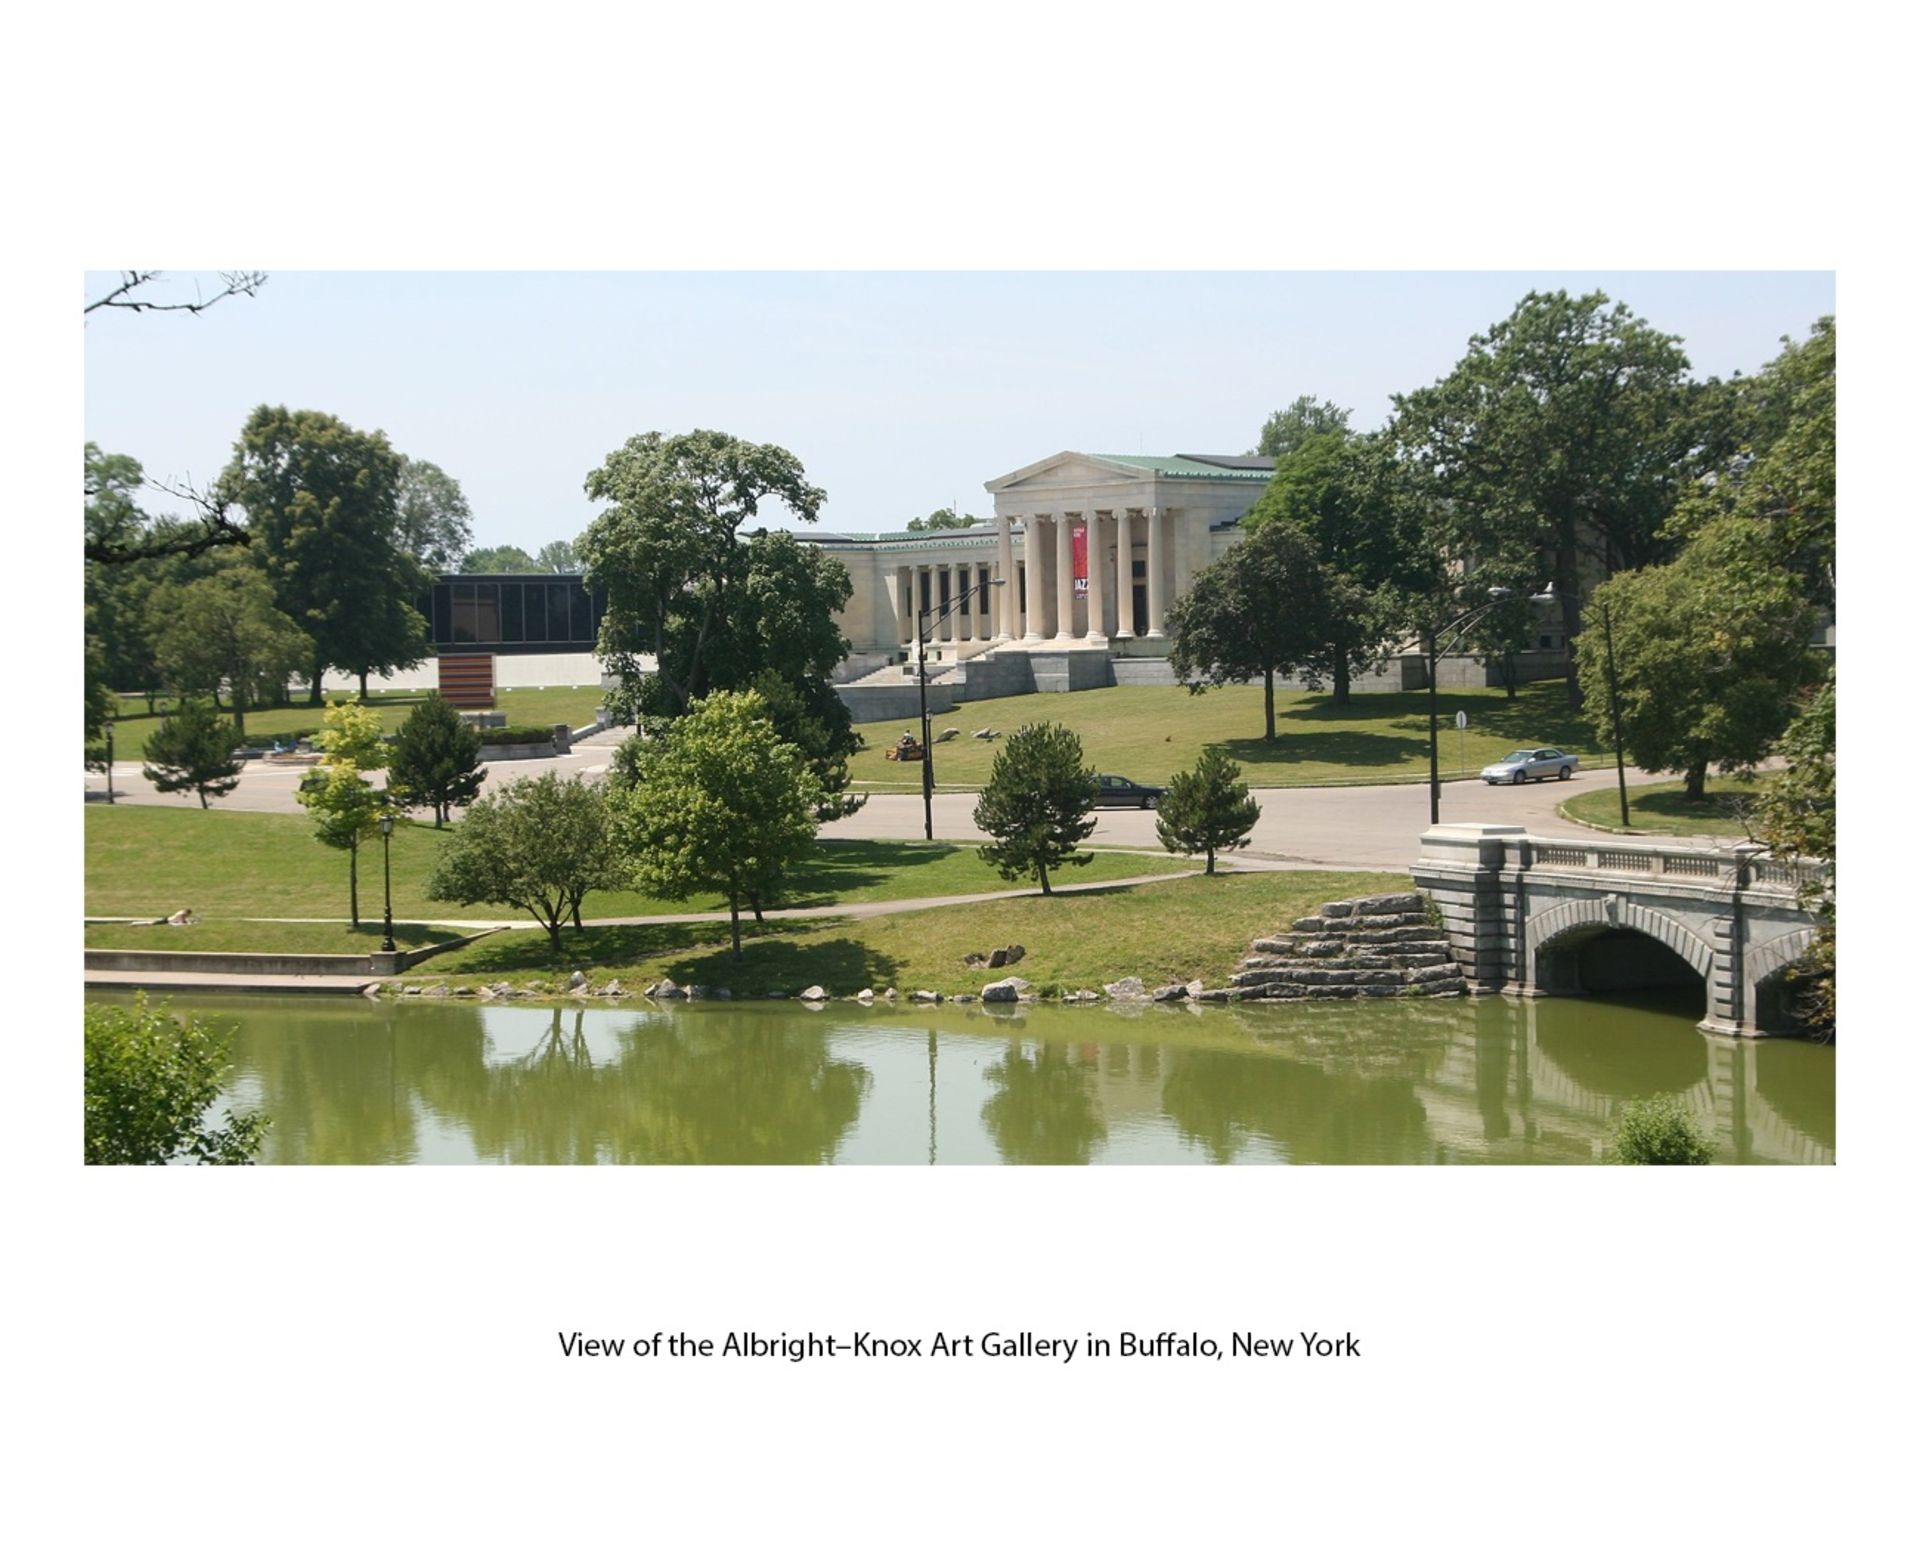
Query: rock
point(891, 993)
point(501, 988)
point(487, 993)
point(699, 993)
point(463, 990)
point(1007, 990)
point(865, 998)
point(612, 988)
point(435, 990)
point(1172, 993)
point(974, 960)
point(1015, 953)
point(1129, 988)
point(1340, 907)
point(371, 988)
point(814, 994)
point(409, 990)
point(577, 981)
point(964, 996)
point(1081, 996)
point(1194, 988)
point(926, 996)
point(1389, 904)
point(664, 990)
point(997, 959)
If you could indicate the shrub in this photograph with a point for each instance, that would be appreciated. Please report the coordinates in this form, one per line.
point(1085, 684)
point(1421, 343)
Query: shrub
point(150, 1080)
point(1658, 1130)
point(497, 736)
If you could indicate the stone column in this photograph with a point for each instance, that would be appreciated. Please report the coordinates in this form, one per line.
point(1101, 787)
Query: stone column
point(1156, 569)
point(1008, 596)
point(1096, 582)
point(949, 627)
point(1036, 576)
point(903, 602)
point(966, 601)
point(1063, 576)
point(1123, 574)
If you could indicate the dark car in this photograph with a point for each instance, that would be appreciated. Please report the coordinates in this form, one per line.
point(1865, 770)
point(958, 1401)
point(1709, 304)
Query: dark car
point(1119, 792)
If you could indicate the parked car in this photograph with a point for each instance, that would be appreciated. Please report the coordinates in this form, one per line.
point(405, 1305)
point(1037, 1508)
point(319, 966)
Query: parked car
point(1530, 765)
point(1118, 792)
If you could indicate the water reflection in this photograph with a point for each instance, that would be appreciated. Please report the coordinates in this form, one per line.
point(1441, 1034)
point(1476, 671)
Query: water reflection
point(1489, 1080)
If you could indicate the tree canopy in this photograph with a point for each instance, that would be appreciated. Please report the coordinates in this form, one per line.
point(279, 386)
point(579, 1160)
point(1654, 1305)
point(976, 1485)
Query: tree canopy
point(1288, 430)
point(192, 751)
point(221, 630)
point(436, 524)
point(945, 517)
point(500, 560)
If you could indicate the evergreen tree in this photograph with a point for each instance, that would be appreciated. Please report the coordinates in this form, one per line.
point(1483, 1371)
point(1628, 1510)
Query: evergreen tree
point(436, 760)
point(1207, 808)
point(192, 751)
point(1037, 804)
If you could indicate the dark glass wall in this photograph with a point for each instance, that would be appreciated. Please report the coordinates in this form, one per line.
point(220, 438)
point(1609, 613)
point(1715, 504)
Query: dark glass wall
point(513, 613)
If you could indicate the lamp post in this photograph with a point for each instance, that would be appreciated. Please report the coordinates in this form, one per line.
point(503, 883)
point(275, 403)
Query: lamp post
point(923, 623)
point(109, 764)
point(1613, 707)
point(1459, 625)
point(386, 867)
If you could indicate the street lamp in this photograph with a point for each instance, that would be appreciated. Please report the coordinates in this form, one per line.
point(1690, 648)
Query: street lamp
point(1613, 707)
point(386, 866)
point(924, 622)
point(109, 763)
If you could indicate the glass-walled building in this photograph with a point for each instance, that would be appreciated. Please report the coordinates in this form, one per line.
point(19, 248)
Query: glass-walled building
point(513, 614)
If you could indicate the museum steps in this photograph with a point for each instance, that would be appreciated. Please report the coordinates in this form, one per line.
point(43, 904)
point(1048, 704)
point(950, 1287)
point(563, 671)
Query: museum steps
point(1378, 945)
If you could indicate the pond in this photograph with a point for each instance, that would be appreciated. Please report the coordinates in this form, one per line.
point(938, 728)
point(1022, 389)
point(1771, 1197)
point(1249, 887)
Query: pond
point(1489, 1080)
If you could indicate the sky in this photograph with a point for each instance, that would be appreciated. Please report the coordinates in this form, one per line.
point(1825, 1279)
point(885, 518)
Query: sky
point(899, 392)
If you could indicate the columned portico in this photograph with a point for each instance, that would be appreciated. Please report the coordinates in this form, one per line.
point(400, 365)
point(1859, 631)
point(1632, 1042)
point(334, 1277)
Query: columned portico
point(1156, 574)
point(1123, 574)
point(1007, 598)
point(1063, 577)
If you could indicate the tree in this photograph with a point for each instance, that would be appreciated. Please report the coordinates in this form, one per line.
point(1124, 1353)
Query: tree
point(1207, 808)
point(1797, 817)
point(945, 517)
point(151, 1082)
point(436, 760)
point(1037, 804)
point(224, 629)
point(1560, 442)
point(667, 551)
point(1710, 651)
point(119, 533)
point(720, 802)
point(1360, 506)
point(345, 806)
point(1660, 1130)
point(558, 557)
point(808, 714)
point(131, 293)
point(1263, 610)
point(436, 524)
point(1289, 429)
point(500, 560)
point(321, 498)
point(192, 751)
point(538, 845)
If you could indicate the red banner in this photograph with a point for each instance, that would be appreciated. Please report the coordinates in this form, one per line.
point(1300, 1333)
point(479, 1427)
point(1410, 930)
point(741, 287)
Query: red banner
point(1080, 560)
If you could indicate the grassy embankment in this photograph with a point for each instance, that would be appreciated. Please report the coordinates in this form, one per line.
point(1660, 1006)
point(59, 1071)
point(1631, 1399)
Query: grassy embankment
point(1663, 809)
point(523, 708)
point(150, 861)
point(1187, 928)
point(1148, 733)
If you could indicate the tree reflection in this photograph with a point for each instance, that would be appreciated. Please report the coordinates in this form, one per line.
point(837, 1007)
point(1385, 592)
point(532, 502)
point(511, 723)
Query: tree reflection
point(1045, 1111)
point(1310, 1114)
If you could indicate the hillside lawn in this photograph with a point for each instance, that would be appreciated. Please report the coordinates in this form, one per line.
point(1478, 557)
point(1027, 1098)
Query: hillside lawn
point(151, 861)
point(1149, 732)
point(1186, 928)
point(523, 707)
point(1663, 808)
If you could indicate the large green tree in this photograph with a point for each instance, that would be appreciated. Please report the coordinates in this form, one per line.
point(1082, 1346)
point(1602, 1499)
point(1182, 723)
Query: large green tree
point(1262, 611)
point(435, 760)
point(1037, 804)
point(436, 524)
point(560, 557)
point(719, 802)
point(1710, 653)
point(1361, 507)
point(539, 845)
point(321, 500)
point(151, 1083)
point(223, 630)
point(501, 560)
point(678, 579)
point(1559, 444)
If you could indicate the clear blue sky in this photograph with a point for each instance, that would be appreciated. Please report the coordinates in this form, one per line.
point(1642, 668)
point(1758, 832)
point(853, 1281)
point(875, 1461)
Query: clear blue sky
point(899, 392)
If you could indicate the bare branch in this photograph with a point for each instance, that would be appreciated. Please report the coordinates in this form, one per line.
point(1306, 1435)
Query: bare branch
point(216, 526)
point(236, 282)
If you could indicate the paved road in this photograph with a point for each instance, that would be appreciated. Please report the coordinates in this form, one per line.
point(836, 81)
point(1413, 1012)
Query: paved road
point(1352, 826)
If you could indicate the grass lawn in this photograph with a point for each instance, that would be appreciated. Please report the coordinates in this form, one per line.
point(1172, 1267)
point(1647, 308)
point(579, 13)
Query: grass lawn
point(150, 861)
point(229, 936)
point(523, 707)
point(1149, 732)
point(1663, 809)
point(1178, 930)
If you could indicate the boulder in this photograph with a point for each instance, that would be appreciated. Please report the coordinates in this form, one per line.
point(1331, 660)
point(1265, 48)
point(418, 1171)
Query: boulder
point(435, 990)
point(664, 990)
point(926, 996)
point(1194, 988)
point(865, 998)
point(613, 988)
point(1129, 988)
point(577, 981)
point(974, 960)
point(964, 996)
point(1172, 993)
point(1007, 990)
point(1389, 904)
point(814, 994)
point(1081, 996)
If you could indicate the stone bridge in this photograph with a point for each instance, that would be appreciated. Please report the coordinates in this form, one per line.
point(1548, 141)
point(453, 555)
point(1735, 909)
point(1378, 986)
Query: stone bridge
point(1536, 916)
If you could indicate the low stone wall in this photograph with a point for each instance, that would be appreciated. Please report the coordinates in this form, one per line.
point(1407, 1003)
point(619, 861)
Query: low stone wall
point(168, 961)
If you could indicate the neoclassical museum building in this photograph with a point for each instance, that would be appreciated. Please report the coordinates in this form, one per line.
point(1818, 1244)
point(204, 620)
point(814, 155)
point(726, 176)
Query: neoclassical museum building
point(1092, 550)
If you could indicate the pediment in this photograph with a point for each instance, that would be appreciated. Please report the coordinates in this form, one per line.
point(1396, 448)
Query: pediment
point(1068, 471)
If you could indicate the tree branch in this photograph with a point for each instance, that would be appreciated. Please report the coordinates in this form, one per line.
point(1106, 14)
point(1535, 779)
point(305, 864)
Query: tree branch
point(216, 527)
point(238, 282)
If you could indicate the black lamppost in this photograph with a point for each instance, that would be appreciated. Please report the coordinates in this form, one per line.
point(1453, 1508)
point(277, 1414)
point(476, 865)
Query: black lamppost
point(109, 764)
point(386, 867)
point(1613, 707)
point(1459, 625)
point(925, 621)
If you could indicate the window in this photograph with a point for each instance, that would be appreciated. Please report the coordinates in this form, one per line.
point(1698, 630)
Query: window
point(582, 613)
point(559, 600)
point(513, 619)
point(442, 614)
point(463, 614)
point(536, 610)
point(486, 612)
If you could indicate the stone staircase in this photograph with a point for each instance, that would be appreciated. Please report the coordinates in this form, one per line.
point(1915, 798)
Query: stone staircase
point(1380, 945)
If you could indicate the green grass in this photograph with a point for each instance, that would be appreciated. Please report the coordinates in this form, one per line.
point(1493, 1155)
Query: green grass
point(1663, 809)
point(1178, 930)
point(1149, 732)
point(523, 708)
point(152, 861)
point(230, 936)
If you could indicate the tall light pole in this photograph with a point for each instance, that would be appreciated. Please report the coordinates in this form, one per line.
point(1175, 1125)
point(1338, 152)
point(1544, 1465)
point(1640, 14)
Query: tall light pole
point(386, 867)
point(1613, 707)
point(924, 622)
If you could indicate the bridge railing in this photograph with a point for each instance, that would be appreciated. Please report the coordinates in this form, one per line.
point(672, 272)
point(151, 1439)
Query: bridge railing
point(1689, 863)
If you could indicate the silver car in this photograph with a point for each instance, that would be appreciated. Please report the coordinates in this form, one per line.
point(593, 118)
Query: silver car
point(1530, 765)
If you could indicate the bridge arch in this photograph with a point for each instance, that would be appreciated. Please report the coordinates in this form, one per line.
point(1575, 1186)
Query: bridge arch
point(1769, 1006)
point(1556, 936)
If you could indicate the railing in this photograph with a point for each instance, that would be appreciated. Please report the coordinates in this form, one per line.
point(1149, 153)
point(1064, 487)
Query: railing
point(1657, 861)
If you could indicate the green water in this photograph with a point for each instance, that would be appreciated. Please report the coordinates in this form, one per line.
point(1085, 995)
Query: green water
point(1482, 1081)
